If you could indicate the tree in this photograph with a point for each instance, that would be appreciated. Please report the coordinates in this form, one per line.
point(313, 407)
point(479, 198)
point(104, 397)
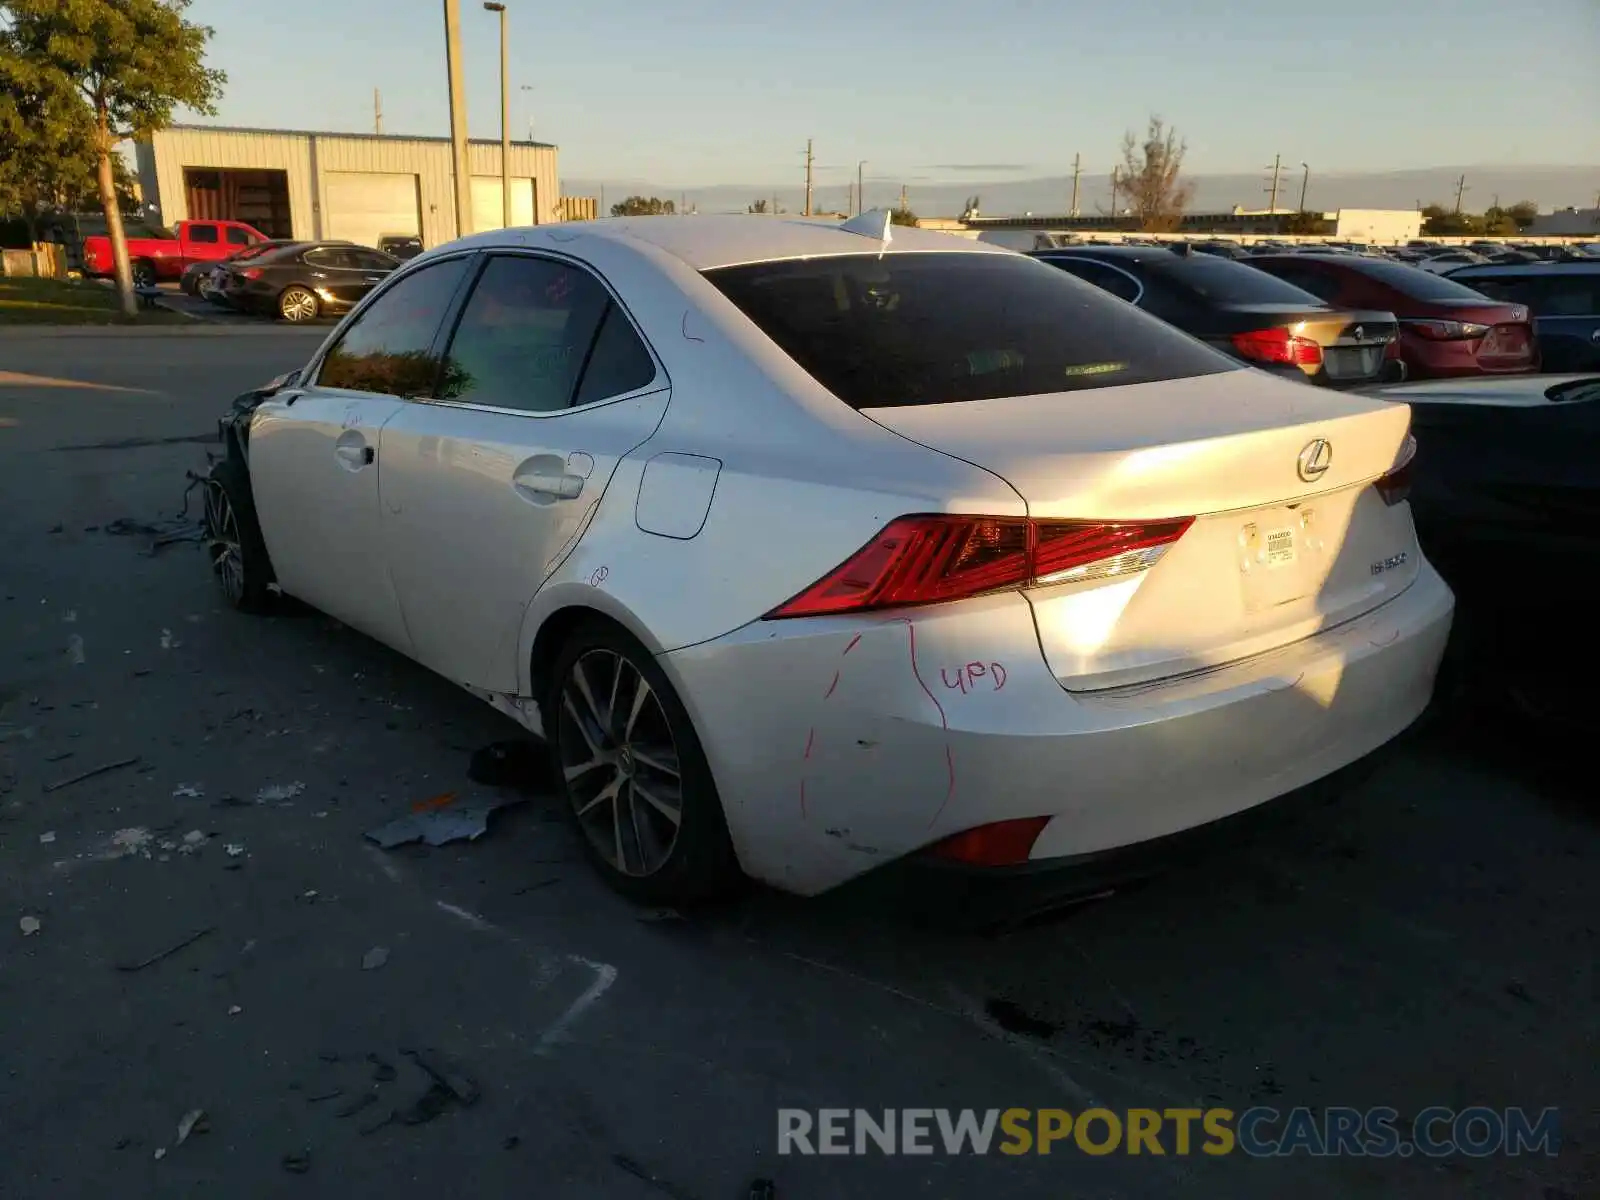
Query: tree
point(902, 216)
point(1152, 187)
point(760, 206)
point(1439, 221)
point(1306, 224)
point(130, 63)
point(644, 206)
point(1523, 213)
point(46, 151)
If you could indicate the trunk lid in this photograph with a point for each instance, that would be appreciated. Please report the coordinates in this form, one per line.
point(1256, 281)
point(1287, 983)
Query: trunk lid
point(1272, 557)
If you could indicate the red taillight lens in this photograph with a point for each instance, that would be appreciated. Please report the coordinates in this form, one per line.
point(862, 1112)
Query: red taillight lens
point(1396, 485)
point(1002, 844)
point(1278, 346)
point(250, 273)
point(933, 558)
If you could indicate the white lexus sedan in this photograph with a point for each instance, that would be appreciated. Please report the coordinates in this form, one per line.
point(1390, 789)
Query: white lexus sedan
point(813, 547)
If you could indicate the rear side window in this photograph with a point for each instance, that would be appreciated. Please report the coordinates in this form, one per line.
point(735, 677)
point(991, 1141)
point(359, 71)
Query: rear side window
point(238, 237)
point(1224, 282)
point(912, 329)
point(1415, 282)
point(203, 233)
point(388, 348)
point(1108, 279)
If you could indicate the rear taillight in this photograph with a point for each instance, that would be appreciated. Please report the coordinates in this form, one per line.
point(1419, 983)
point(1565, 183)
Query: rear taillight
point(1447, 331)
point(250, 273)
point(1395, 486)
point(1001, 844)
point(933, 558)
point(1278, 346)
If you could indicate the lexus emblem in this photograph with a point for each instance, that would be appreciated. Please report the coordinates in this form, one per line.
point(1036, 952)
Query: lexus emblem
point(1315, 460)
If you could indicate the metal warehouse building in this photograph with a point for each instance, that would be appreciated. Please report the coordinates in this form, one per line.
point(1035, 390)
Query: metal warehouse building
point(357, 187)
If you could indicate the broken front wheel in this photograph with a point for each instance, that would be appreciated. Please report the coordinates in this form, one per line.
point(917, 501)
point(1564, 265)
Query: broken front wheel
point(233, 538)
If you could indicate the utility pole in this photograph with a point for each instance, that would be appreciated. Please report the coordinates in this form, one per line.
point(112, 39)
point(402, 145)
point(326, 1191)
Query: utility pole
point(850, 199)
point(810, 159)
point(905, 205)
point(458, 117)
point(377, 112)
point(505, 117)
point(1277, 168)
point(1461, 187)
point(1116, 178)
point(861, 188)
point(1305, 182)
point(1077, 170)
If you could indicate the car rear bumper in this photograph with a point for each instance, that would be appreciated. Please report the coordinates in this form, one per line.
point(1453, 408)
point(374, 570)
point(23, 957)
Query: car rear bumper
point(842, 745)
point(1427, 359)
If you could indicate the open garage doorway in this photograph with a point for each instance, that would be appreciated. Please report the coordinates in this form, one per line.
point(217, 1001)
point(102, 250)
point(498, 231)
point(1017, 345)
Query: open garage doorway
point(256, 197)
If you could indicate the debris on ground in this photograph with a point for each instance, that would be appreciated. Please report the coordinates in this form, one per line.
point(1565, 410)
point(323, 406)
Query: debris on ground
point(160, 533)
point(521, 765)
point(103, 769)
point(652, 916)
point(192, 791)
point(46, 838)
point(235, 1009)
point(275, 792)
point(446, 1076)
point(168, 952)
point(125, 843)
point(75, 654)
point(441, 826)
point(432, 803)
point(297, 1164)
point(193, 1121)
point(234, 849)
point(29, 926)
point(192, 841)
point(374, 958)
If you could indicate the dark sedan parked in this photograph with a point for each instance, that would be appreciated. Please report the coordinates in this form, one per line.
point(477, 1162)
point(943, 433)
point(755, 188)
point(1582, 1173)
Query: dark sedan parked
point(1241, 311)
point(305, 280)
point(1565, 299)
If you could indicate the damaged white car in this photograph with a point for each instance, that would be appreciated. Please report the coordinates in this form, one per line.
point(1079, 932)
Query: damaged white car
point(812, 548)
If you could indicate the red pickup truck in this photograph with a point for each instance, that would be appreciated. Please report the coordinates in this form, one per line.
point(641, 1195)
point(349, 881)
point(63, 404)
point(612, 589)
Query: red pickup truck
point(165, 257)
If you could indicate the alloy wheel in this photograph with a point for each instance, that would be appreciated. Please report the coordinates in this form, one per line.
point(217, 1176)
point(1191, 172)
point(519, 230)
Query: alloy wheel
point(223, 544)
point(298, 304)
point(620, 761)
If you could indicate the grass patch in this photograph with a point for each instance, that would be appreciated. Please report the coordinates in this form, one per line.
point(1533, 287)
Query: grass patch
point(28, 301)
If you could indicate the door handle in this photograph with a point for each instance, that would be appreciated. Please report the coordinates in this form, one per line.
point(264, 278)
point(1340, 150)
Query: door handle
point(355, 456)
point(559, 487)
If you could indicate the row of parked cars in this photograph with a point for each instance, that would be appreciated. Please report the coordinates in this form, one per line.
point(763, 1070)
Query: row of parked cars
point(816, 550)
point(1349, 319)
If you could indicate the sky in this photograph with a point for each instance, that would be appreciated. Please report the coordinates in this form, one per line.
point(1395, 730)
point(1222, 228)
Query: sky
point(695, 93)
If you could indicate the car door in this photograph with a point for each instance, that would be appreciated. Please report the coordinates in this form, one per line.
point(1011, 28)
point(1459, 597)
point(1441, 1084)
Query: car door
point(487, 486)
point(338, 275)
point(314, 464)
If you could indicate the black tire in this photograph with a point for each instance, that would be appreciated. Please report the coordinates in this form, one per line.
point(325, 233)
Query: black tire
point(298, 305)
point(233, 541)
point(663, 863)
point(144, 273)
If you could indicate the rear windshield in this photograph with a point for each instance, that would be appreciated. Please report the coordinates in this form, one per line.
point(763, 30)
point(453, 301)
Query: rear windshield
point(1225, 282)
point(910, 329)
point(1417, 283)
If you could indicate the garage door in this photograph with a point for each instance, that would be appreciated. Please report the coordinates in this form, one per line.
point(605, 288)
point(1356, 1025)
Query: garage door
point(487, 211)
point(362, 206)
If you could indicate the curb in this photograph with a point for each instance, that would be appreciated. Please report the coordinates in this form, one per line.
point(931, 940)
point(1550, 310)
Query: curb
point(15, 333)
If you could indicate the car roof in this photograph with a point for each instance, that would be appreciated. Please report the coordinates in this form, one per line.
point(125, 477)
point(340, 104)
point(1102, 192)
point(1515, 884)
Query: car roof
point(708, 242)
point(1540, 268)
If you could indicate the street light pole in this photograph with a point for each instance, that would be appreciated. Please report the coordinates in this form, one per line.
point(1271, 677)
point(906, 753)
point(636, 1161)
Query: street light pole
point(505, 118)
point(458, 117)
point(1305, 181)
point(861, 196)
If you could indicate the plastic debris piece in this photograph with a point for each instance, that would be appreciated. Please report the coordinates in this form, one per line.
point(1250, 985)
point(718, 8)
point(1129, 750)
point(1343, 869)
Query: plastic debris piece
point(441, 826)
point(192, 790)
point(374, 958)
point(46, 838)
point(161, 1152)
point(193, 1121)
point(362, 1102)
point(168, 952)
point(279, 791)
point(234, 849)
point(91, 773)
point(192, 841)
point(443, 800)
point(30, 926)
point(168, 642)
point(297, 1164)
point(234, 1010)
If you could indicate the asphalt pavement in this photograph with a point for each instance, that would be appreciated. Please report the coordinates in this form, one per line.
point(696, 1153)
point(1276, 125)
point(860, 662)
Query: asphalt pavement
point(199, 922)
